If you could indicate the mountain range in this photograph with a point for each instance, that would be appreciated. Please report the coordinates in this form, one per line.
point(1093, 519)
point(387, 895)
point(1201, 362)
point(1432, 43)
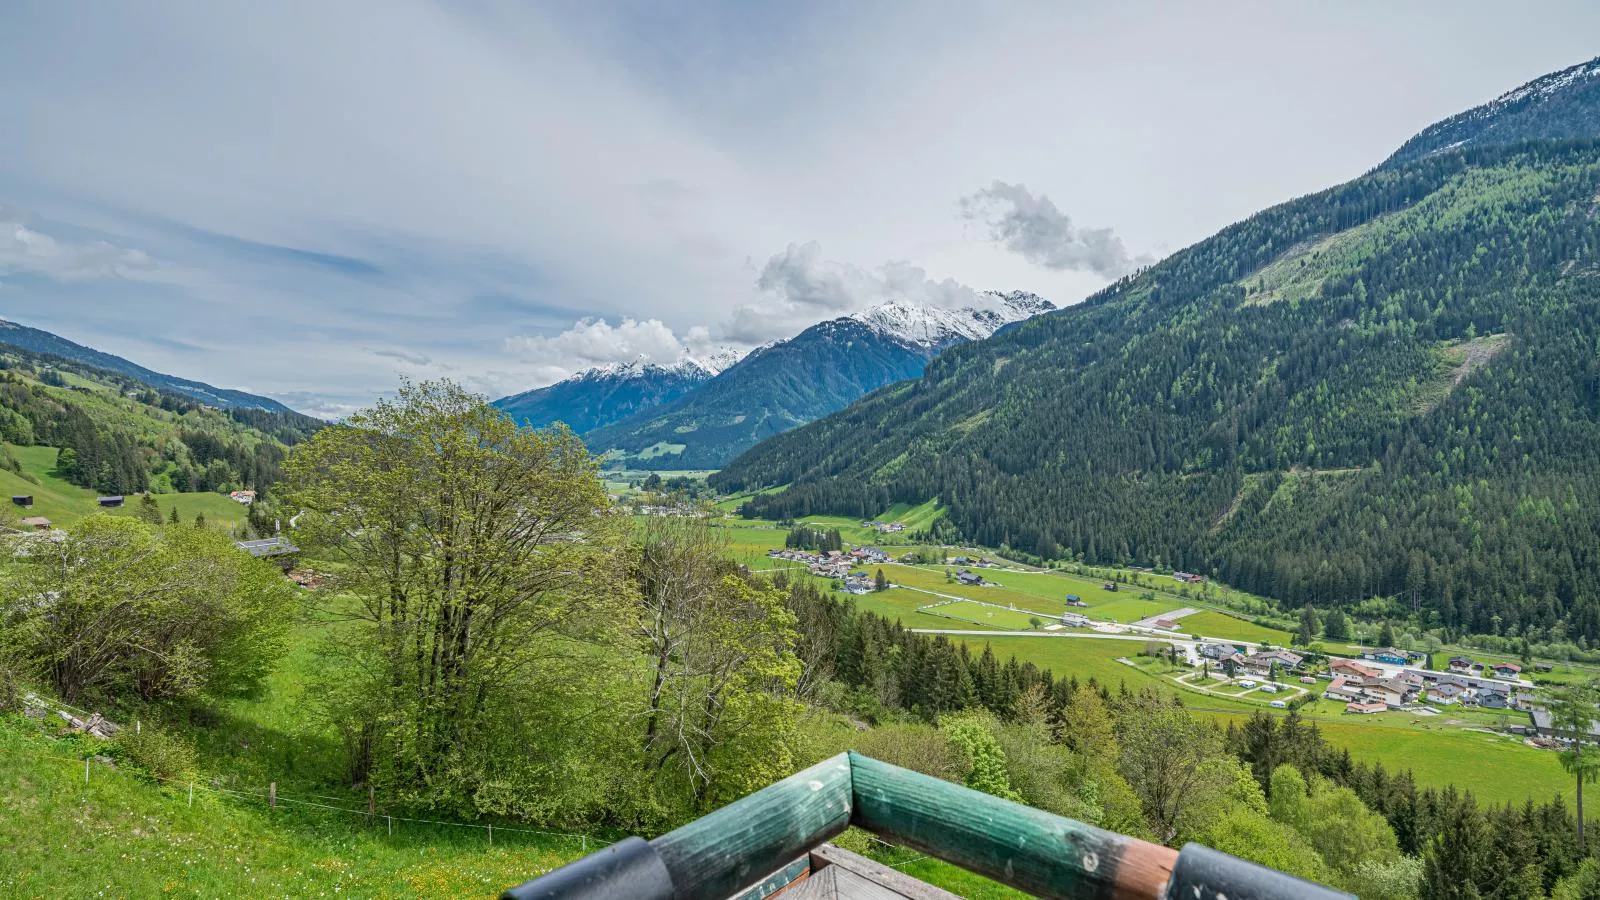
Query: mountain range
point(1390, 388)
point(605, 394)
point(699, 414)
point(36, 341)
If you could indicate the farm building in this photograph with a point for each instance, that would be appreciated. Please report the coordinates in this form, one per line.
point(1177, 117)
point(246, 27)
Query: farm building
point(23, 500)
point(110, 502)
point(245, 497)
point(39, 523)
point(1075, 620)
point(1366, 708)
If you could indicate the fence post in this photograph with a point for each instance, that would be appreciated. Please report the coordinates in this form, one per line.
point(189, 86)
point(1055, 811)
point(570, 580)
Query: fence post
point(583, 842)
point(372, 803)
point(391, 825)
point(191, 795)
point(272, 795)
point(85, 771)
point(491, 834)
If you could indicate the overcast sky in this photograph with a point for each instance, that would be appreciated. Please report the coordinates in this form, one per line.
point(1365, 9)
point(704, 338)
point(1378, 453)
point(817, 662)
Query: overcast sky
point(309, 200)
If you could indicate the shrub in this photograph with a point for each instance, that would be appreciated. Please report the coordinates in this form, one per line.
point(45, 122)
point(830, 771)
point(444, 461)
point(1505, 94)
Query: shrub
point(160, 755)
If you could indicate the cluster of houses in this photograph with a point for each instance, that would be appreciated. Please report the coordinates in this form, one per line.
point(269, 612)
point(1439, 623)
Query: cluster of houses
point(1262, 663)
point(832, 563)
point(681, 510)
point(244, 497)
point(1367, 689)
point(1189, 578)
point(884, 527)
point(1506, 671)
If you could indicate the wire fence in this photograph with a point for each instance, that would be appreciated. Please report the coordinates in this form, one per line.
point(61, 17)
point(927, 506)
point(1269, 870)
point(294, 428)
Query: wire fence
point(271, 798)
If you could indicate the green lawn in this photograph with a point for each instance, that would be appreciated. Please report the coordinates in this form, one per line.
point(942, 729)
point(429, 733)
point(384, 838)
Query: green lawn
point(64, 503)
point(119, 836)
point(1222, 625)
point(979, 613)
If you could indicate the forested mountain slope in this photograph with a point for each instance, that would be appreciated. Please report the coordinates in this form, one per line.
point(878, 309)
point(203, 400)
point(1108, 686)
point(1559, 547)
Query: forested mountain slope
point(597, 397)
point(1563, 105)
point(36, 341)
point(1390, 387)
point(792, 382)
point(119, 435)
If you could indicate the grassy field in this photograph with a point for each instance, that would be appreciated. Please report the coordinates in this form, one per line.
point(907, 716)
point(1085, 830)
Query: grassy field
point(1221, 625)
point(64, 503)
point(1497, 768)
point(119, 836)
point(982, 614)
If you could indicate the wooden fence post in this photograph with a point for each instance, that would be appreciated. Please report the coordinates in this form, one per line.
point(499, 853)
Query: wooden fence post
point(491, 834)
point(272, 795)
point(372, 803)
point(86, 771)
point(191, 795)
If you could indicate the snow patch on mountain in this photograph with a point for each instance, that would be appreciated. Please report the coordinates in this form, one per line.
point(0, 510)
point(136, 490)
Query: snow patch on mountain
point(700, 368)
point(927, 326)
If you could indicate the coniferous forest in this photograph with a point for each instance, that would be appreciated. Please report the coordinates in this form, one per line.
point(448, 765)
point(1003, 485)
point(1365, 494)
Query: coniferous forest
point(1388, 388)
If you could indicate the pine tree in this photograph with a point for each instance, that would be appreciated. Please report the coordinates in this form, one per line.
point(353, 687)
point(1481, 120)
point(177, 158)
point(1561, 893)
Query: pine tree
point(200, 520)
point(1308, 626)
point(149, 510)
point(880, 583)
point(1337, 626)
point(1386, 635)
point(172, 516)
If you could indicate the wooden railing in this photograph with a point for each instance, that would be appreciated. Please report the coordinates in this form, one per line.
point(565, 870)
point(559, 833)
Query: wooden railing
point(755, 846)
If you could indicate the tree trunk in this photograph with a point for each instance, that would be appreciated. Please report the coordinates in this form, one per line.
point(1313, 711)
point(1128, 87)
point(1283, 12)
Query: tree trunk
point(1580, 812)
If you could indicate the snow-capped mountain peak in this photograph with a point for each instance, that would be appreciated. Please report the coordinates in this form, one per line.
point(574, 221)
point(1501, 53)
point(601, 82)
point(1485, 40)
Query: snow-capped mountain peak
point(927, 326)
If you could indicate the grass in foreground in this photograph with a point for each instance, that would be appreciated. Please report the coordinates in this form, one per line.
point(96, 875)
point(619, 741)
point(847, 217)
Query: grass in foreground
point(121, 836)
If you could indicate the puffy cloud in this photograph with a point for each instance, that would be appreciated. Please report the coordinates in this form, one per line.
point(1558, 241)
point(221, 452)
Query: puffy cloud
point(798, 287)
point(595, 341)
point(1035, 229)
point(25, 251)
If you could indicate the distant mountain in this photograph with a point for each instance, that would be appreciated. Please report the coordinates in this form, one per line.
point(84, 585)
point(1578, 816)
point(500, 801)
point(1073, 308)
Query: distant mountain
point(1563, 105)
point(606, 394)
point(37, 341)
point(1387, 389)
point(792, 382)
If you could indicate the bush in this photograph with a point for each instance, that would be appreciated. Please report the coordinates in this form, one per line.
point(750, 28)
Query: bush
point(160, 755)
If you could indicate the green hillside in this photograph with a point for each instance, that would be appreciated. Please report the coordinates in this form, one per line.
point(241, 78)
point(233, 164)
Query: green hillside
point(1386, 388)
point(73, 433)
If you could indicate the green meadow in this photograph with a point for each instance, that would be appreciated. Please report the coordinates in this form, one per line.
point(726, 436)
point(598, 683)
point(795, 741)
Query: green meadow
point(64, 503)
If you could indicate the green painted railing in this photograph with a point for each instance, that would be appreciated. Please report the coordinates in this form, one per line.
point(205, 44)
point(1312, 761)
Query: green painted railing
point(758, 839)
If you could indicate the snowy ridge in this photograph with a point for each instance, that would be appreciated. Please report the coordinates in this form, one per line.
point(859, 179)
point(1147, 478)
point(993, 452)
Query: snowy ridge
point(925, 326)
point(1542, 86)
point(1551, 107)
point(702, 368)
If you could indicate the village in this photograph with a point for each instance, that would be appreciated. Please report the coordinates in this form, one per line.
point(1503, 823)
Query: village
point(1381, 680)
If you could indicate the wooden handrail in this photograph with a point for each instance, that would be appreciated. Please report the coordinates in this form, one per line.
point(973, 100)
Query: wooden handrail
point(739, 845)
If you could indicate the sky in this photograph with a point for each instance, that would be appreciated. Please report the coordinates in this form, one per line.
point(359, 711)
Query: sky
point(313, 200)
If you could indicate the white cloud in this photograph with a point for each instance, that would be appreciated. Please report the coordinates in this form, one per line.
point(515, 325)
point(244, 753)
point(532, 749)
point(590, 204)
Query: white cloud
point(591, 342)
point(26, 251)
point(798, 287)
point(426, 178)
point(1034, 228)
